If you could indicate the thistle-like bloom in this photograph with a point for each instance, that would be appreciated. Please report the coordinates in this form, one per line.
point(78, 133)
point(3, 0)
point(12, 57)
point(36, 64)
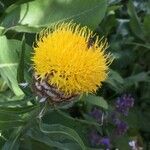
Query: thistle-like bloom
point(68, 59)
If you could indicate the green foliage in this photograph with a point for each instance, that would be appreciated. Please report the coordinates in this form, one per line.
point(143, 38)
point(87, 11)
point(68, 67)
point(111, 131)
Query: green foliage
point(95, 100)
point(29, 17)
point(24, 123)
point(8, 62)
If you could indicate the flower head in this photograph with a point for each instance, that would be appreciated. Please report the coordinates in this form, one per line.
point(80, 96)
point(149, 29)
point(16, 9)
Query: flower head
point(68, 61)
point(106, 142)
point(124, 103)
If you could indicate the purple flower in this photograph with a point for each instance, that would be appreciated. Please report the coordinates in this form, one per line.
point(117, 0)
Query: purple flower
point(106, 142)
point(96, 114)
point(94, 138)
point(124, 103)
point(122, 127)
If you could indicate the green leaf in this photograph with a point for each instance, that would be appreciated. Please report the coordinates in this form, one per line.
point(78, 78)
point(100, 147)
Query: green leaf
point(115, 81)
point(3, 85)
point(20, 70)
point(23, 28)
point(13, 142)
point(95, 100)
point(140, 77)
point(1, 30)
point(17, 110)
point(147, 45)
point(115, 76)
point(7, 116)
point(5, 125)
point(12, 8)
point(147, 26)
point(81, 121)
point(144, 119)
point(133, 119)
point(43, 138)
point(122, 143)
point(81, 126)
point(135, 24)
point(8, 64)
point(9, 120)
point(48, 12)
point(62, 130)
point(10, 101)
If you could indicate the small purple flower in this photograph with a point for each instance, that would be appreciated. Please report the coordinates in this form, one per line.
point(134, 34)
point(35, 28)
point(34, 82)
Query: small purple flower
point(122, 127)
point(124, 103)
point(94, 138)
point(106, 142)
point(97, 141)
point(97, 114)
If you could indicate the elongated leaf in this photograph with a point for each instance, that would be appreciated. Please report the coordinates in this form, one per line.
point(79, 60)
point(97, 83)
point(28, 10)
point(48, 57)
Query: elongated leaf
point(141, 77)
point(5, 125)
point(3, 85)
point(17, 110)
point(147, 45)
point(9, 62)
point(23, 28)
point(1, 30)
point(9, 120)
point(96, 100)
point(81, 126)
point(8, 65)
point(43, 138)
point(13, 102)
point(115, 81)
point(83, 122)
point(48, 12)
point(135, 22)
point(20, 70)
point(7, 116)
point(60, 129)
point(147, 27)
point(13, 143)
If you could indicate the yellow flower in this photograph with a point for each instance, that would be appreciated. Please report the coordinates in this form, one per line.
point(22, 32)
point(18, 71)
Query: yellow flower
point(70, 61)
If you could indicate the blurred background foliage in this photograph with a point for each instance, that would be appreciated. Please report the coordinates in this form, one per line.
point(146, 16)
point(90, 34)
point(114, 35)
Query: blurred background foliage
point(125, 23)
